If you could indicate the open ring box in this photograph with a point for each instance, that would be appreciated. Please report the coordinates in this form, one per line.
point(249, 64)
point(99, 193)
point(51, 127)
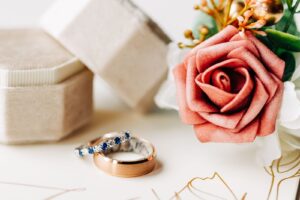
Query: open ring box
point(117, 41)
point(45, 92)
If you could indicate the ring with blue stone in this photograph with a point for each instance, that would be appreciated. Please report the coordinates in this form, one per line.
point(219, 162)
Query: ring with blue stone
point(143, 164)
point(108, 143)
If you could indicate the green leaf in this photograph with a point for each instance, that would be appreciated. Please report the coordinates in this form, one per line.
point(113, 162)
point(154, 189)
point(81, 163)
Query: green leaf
point(203, 19)
point(290, 65)
point(281, 24)
point(284, 40)
point(289, 4)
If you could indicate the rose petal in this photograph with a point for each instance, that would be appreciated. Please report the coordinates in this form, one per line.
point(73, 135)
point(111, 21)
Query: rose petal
point(241, 98)
point(259, 99)
point(208, 56)
point(292, 131)
point(230, 63)
point(196, 99)
point(266, 78)
point(291, 140)
point(175, 56)
point(238, 80)
point(284, 143)
point(238, 37)
point(166, 96)
point(290, 107)
point(293, 126)
point(271, 60)
point(220, 37)
point(221, 80)
point(296, 74)
point(229, 121)
point(187, 116)
point(211, 133)
point(269, 149)
point(223, 99)
point(217, 96)
point(271, 110)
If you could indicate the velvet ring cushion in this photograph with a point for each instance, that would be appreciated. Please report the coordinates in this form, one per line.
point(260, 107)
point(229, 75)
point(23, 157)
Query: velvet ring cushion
point(45, 92)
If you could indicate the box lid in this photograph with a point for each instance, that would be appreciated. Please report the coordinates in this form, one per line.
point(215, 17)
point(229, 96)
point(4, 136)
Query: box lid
point(117, 41)
point(63, 13)
point(31, 57)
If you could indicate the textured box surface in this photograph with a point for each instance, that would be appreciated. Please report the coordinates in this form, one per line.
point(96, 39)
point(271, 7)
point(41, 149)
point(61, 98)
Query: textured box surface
point(45, 92)
point(31, 57)
point(116, 40)
point(45, 113)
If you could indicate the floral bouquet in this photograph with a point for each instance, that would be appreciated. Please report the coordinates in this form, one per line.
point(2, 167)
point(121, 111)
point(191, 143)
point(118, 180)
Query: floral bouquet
point(235, 78)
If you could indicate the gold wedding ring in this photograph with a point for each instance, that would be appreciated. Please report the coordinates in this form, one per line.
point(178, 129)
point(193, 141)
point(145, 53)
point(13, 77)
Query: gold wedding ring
point(123, 168)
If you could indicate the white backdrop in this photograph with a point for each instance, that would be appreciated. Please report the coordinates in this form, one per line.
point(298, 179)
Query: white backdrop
point(55, 165)
point(174, 16)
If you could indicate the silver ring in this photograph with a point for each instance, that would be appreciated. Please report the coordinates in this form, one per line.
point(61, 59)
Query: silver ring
point(106, 144)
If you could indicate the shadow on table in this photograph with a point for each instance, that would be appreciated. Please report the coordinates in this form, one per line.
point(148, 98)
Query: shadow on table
point(105, 121)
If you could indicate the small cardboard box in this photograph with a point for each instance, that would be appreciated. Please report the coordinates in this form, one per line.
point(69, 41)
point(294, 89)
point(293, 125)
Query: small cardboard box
point(45, 92)
point(117, 41)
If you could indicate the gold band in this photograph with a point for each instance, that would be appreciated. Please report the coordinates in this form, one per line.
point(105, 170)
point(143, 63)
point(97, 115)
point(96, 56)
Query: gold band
point(126, 168)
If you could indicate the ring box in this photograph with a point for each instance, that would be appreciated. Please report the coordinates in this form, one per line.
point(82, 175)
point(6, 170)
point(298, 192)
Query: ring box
point(117, 41)
point(45, 92)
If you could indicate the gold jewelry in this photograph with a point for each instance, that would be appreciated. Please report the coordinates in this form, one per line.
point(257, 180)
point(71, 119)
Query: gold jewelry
point(124, 168)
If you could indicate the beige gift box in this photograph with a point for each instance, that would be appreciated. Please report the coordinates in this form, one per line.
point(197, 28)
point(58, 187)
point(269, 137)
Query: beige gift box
point(45, 92)
point(117, 41)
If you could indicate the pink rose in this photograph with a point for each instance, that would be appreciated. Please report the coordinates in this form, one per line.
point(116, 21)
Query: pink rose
point(229, 88)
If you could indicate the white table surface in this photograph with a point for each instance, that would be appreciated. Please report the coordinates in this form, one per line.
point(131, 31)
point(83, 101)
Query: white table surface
point(181, 158)
point(40, 171)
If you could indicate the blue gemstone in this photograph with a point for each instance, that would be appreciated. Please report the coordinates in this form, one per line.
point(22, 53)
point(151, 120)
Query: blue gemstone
point(127, 135)
point(104, 146)
point(91, 150)
point(80, 152)
point(118, 140)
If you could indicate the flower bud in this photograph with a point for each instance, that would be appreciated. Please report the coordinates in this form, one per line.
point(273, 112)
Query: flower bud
point(269, 10)
point(189, 34)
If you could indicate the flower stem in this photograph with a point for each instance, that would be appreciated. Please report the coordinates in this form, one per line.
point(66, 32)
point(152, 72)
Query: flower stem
point(227, 11)
point(291, 17)
point(218, 19)
point(240, 14)
point(213, 3)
